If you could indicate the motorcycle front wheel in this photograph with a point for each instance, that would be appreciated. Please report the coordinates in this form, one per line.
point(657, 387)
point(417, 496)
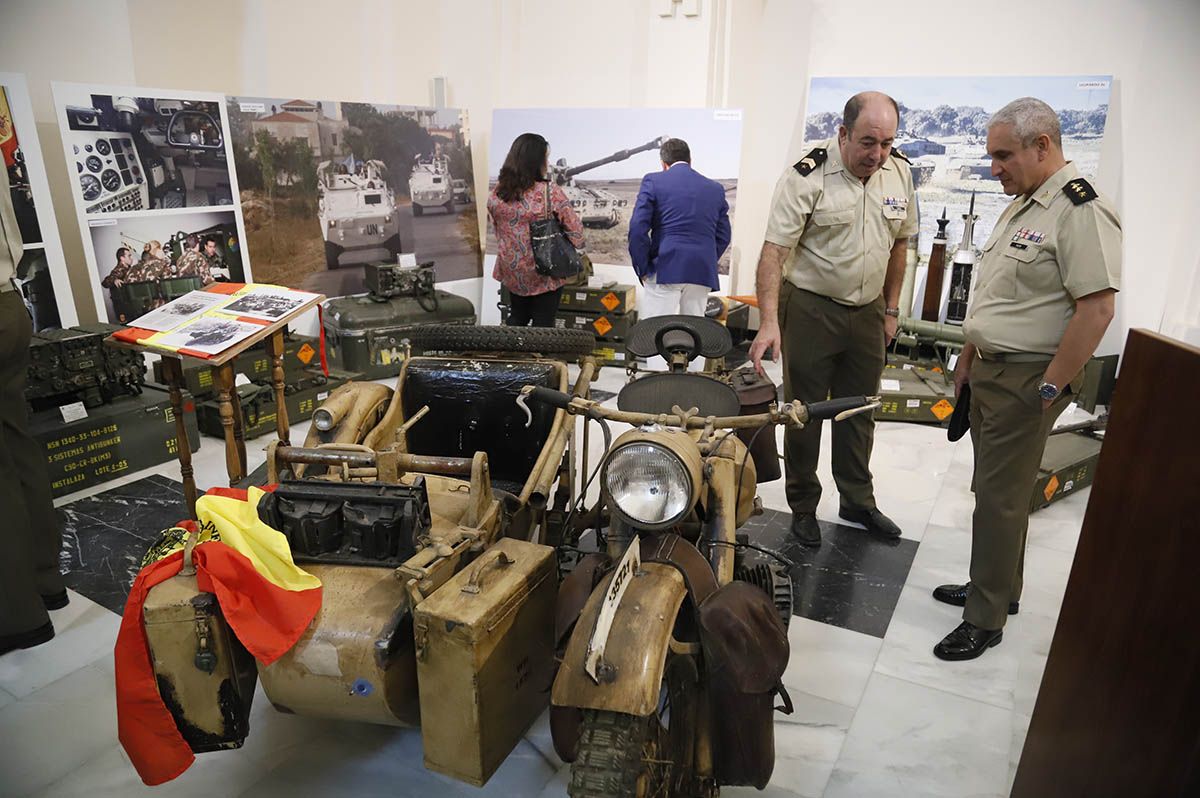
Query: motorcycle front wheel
point(631, 756)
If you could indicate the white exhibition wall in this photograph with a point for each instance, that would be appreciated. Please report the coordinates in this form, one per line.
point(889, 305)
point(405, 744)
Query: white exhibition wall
point(757, 55)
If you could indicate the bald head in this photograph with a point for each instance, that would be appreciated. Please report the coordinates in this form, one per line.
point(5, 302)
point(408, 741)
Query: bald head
point(868, 129)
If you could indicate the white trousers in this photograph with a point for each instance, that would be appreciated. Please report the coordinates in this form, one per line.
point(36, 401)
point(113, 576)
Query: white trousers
point(671, 299)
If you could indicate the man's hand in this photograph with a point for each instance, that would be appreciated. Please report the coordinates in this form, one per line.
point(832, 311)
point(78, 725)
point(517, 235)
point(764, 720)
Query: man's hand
point(768, 338)
point(962, 369)
point(891, 325)
point(118, 283)
point(1046, 404)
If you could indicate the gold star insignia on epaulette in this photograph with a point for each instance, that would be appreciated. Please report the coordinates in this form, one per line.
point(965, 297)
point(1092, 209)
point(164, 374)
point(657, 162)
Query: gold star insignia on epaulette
point(1079, 191)
point(809, 162)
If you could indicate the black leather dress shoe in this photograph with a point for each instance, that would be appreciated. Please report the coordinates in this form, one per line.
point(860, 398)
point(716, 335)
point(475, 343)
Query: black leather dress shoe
point(806, 529)
point(28, 639)
point(968, 641)
point(957, 595)
point(876, 522)
point(56, 601)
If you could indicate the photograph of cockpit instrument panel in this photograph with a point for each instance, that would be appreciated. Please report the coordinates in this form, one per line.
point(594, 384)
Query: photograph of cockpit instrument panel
point(599, 156)
point(137, 153)
point(328, 187)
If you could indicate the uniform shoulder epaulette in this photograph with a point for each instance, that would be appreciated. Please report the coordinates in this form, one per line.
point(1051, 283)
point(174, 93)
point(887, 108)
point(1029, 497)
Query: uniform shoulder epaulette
point(1079, 191)
point(816, 156)
point(897, 154)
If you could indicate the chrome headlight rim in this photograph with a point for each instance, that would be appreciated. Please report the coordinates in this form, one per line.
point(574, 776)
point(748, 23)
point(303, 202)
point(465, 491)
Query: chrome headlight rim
point(637, 523)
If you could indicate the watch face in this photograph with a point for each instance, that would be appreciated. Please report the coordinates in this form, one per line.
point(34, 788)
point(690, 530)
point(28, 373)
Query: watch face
point(1048, 391)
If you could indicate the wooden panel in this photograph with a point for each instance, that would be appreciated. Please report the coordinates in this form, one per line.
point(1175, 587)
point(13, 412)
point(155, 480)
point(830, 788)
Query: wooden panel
point(1119, 709)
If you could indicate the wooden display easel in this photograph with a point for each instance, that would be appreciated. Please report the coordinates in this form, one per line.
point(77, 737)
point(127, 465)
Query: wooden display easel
point(229, 408)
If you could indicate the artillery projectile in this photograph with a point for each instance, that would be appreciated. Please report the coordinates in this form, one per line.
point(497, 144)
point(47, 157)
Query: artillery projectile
point(960, 275)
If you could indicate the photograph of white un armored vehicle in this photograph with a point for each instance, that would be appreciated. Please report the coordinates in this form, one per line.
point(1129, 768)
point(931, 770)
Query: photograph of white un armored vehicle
point(430, 186)
point(358, 213)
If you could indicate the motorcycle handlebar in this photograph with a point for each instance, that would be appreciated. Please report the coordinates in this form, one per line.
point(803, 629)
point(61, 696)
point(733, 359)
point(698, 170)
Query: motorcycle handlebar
point(793, 413)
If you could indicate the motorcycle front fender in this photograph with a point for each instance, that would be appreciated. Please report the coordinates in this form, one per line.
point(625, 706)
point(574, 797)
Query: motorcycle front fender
point(635, 650)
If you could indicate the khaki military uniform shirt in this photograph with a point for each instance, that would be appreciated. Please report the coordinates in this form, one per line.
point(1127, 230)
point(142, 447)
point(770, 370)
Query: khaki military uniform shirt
point(841, 231)
point(1044, 253)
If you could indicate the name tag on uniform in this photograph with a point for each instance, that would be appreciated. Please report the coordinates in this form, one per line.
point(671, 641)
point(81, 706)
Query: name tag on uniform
point(895, 207)
point(1025, 234)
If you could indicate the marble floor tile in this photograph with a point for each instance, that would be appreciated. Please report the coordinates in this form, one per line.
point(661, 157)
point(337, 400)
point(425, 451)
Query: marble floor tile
point(943, 558)
point(6, 698)
point(911, 740)
point(51, 732)
point(112, 775)
point(907, 653)
point(83, 633)
point(829, 662)
point(808, 742)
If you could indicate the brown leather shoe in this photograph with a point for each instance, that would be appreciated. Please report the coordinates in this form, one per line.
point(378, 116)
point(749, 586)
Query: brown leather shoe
point(28, 639)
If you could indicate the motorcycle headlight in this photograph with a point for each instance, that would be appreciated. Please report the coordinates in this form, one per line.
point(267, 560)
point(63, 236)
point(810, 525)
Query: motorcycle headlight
point(648, 485)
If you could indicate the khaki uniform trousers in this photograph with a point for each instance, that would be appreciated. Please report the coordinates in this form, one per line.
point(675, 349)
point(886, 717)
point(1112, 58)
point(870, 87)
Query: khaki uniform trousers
point(1009, 431)
point(30, 536)
point(829, 349)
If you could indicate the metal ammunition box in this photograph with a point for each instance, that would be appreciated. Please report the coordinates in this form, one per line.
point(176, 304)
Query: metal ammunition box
point(605, 326)
point(258, 405)
point(1068, 464)
point(613, 298)
point(205, 676)
point(914, 394)
point(129, 434)
point(299, 354)
point(485, 658)
point(365, 334)
point(610, 355)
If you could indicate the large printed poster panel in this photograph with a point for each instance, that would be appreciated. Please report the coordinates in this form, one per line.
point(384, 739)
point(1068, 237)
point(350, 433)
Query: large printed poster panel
point(330, 186)
point(163, 158)
point(600, 155)
point(943, 131)
point(42, 273)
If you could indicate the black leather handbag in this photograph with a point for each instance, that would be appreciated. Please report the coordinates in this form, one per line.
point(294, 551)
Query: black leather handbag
point(553, 253)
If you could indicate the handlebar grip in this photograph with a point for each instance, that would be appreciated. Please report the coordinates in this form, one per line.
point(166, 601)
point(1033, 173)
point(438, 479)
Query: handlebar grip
point(550, 396)
point(831, 407)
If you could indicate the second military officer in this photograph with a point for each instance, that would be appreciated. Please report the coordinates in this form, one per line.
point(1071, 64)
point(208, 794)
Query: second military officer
point(1043, 299)
point(837, 236)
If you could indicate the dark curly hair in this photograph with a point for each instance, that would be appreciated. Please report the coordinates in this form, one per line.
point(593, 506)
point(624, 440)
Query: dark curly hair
point(522, 167)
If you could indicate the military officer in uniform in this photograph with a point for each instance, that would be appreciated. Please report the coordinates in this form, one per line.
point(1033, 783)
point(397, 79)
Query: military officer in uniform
point(1044, 297)
point(216, 263)
point(828, 288)
point(193, 263)
point(120, 273)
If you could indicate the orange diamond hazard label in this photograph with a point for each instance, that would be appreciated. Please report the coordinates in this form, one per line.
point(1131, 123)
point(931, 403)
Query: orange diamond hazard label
point(1051, 486)
point(602, 325)
point(305, 353)
point(942, 409)
point(610, 301)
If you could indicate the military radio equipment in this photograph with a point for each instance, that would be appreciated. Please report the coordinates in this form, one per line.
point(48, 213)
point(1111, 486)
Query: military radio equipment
point(386, 280)
point(74, 365)
point(960, 276)
point(931, 309)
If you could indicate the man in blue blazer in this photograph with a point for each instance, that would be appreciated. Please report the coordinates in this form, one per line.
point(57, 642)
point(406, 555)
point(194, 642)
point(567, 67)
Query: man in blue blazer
point(679, 228)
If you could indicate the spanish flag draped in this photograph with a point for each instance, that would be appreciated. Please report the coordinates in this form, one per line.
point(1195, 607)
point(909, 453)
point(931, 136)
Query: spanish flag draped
point(266, 598)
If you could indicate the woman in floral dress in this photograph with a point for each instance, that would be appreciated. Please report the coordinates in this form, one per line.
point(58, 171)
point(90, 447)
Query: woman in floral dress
point(518, 199)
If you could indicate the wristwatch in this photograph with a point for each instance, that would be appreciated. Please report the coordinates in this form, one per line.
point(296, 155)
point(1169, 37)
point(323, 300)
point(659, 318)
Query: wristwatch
point(892, 312)
point(1048, 391)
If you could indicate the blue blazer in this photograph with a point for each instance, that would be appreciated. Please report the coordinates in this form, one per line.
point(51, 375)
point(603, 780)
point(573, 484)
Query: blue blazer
point(679, 227)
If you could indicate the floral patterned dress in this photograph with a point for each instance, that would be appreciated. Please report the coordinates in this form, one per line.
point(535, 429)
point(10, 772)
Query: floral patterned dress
point(510, 221)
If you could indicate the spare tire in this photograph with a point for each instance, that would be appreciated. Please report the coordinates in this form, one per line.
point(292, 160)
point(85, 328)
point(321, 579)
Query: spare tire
point(539, 340)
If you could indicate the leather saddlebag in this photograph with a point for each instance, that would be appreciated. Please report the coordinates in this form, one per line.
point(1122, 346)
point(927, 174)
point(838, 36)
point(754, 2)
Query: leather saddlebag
point(746, 651)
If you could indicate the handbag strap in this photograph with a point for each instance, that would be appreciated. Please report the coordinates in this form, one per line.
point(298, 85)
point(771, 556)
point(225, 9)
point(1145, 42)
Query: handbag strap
point(547, 209)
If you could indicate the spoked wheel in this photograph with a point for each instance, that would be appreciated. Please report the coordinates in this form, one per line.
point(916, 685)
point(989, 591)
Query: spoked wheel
point(627, 756)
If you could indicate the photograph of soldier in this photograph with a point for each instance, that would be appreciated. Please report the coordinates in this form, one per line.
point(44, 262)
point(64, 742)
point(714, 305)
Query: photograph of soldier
point(267, 304)
point(210, 335)
point(155, 259)
point(943, 133)
point(136, 153)
point(599, 157)
point(327, 187)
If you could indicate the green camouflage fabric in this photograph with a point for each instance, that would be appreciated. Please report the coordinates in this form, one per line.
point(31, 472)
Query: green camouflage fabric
point(194, 264)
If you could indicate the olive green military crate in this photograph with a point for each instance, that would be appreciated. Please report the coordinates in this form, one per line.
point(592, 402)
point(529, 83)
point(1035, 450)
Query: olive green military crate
point(485, 658)
point(614, 298)
point(299, 354)
point(365, 334)
point(128, 434)
point(258, 404)
point(205, 676)
point(605, 326)
point(1068, 464)
point(915, 394)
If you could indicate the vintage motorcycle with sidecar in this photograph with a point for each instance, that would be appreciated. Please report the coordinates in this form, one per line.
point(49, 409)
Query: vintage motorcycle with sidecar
point(672, 642)
point(418, 508)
